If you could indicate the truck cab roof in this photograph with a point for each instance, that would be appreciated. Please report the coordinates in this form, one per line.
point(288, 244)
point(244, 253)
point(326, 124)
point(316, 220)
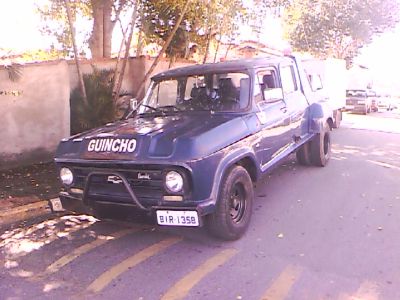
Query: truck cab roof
point(227, 66)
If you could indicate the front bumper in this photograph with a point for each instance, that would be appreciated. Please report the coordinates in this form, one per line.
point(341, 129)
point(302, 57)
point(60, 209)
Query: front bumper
point(356, 108)
point(76, 204)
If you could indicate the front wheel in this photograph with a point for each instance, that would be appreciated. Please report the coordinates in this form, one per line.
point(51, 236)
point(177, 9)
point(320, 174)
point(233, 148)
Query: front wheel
point(321, 147)
point(234, 206)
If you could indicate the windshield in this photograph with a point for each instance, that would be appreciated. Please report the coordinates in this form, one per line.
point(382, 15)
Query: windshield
point(209, 92)
point(356, 93)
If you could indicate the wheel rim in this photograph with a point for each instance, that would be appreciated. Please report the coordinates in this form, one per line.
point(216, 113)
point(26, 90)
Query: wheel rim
point(237, 202)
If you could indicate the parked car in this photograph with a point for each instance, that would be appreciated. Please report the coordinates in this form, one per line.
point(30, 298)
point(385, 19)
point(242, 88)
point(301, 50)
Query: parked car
point(328, 77)
point(190, 153)
point(375, 98)
point(358, 101)
point(386, 103)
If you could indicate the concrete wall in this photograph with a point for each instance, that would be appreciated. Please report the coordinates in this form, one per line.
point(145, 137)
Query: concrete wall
point(34, 113)
point(135, 70)
point(35, 110)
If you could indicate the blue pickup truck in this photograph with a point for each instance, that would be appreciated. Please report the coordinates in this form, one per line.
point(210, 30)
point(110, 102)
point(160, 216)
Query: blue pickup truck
point(191, 151)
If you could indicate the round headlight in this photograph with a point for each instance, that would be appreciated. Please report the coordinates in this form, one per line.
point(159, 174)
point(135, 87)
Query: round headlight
point(174, 181)
point(66, 176)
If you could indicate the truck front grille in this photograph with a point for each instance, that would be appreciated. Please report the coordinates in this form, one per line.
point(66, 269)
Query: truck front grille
point(147, 184)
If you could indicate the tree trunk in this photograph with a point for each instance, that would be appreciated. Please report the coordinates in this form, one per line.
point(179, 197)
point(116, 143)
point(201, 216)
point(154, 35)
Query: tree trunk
point(96, 38)
point(216, 50)
point(165, 46)
point(207, 45)
point(71, 26)
point(101, 37)
point(140, 44)
point(227, 50)
point(108, 27)
point(118, 84)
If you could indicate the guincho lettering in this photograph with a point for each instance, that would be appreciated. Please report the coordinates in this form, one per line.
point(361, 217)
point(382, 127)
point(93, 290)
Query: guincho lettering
point(112, 145)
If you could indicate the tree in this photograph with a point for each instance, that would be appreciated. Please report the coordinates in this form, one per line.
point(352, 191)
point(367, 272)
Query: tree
point(223, 19)
point(164, 48)
point(338, 28)
point(159, 17)
point(103, 13)
point(78, 68)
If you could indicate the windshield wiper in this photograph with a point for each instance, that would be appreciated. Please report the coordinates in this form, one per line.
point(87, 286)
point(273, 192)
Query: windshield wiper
point(154, 109)
point(174, 107)
point(151, 107)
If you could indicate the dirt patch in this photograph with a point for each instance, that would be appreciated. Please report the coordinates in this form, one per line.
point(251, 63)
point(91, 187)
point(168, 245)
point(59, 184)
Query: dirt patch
point(29, 184)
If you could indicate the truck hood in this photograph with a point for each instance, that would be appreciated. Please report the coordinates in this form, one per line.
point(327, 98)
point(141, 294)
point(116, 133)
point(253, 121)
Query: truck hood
point(178, 137)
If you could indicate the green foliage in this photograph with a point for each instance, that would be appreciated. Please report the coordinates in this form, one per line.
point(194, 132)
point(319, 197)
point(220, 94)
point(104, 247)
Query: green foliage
point(100, 108)
point(159, 17)
point(55, 22)
point(202, 20)
point(14, 72)
point(338, 28)
point(103, 13)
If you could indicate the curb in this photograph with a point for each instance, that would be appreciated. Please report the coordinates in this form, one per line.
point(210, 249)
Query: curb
point(24, 212)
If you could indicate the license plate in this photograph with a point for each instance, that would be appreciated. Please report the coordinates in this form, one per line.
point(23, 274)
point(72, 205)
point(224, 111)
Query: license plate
point(56, 204)
point(361, 102)
point(177, 218)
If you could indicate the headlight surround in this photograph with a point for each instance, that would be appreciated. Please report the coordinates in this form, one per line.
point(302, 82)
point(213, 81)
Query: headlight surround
point(66, 175)
point(174, 181)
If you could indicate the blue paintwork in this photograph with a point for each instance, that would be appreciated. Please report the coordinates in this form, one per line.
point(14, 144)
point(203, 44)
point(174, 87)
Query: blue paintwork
point(206, 144)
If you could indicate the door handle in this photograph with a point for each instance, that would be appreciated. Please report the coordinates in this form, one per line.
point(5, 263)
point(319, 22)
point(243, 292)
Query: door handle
point(284, 109)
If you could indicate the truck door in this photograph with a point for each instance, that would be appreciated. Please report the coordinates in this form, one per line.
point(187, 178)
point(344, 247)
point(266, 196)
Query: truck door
point(295, 101)
point(272, 114)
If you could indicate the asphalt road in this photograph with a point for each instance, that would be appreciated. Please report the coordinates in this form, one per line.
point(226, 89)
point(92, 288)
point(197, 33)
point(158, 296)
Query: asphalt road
point(316, 233)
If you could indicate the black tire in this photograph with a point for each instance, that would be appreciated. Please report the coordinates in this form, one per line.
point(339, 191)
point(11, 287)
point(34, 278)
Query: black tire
point(234, 206)
point(303, 155)
point(338, 119)
point(321, 147)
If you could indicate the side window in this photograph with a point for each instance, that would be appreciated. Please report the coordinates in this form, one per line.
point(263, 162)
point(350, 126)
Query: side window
point(288, 77)
point(266, 89)
point(315, 82)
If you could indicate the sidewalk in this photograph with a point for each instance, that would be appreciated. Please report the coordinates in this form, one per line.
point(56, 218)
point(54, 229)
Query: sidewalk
point(24, 191)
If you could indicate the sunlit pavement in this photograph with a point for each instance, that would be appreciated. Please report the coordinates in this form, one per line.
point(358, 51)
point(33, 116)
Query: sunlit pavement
point(316, 233)
point(385, 121)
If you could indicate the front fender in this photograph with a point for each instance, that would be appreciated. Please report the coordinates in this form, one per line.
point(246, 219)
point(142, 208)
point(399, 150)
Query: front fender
point(228, 161)
point(318, 114)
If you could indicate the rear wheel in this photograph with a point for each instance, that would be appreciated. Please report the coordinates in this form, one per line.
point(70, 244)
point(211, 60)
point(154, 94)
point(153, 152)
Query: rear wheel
point(321, 147)
point(234, 206)
point(338, 119)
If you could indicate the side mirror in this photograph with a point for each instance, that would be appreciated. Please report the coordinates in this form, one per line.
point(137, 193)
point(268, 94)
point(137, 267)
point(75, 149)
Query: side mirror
point(315, 82)
point(274, 94)
point(133, 104)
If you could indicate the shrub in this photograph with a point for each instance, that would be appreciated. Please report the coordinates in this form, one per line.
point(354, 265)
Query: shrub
point(100, 108)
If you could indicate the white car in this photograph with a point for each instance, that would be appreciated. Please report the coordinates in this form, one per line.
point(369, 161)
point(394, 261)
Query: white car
point(386, 103)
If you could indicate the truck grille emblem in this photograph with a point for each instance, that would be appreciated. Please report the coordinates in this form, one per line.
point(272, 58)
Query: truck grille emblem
point(143, 176)
point(114, 179)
